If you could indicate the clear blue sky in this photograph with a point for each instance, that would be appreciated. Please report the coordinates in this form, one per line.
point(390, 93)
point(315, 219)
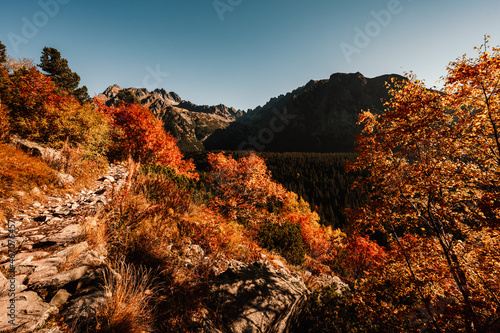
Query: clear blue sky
point(246, 51)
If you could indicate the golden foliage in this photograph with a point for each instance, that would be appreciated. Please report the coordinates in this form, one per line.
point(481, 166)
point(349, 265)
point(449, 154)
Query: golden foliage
point(434, 163)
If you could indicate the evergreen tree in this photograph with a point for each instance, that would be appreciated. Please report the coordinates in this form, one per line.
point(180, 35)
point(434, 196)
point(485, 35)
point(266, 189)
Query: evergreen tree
point(3, 74)
point(57, 68)
point(3, 54)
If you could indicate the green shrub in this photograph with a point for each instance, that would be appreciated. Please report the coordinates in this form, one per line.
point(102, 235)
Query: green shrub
point(284, 238)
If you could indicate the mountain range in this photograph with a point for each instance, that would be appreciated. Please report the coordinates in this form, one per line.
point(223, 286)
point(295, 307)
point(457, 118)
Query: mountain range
point(320, 116)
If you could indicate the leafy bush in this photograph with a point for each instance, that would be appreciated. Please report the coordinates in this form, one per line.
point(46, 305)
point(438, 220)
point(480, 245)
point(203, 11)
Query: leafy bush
point(40, 112)
point(243, 184)
point(284, 238)
point(167, 173)
point(137, 133)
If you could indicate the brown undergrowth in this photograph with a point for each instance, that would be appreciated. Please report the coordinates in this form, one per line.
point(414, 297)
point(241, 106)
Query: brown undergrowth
point(128, 290)
point(153, 223)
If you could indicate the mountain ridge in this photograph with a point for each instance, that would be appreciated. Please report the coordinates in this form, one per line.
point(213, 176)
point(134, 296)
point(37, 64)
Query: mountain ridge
point(189, 123)
point(320, 116)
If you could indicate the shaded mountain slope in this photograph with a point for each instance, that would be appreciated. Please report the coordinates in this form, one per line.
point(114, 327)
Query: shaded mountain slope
point(318, 117)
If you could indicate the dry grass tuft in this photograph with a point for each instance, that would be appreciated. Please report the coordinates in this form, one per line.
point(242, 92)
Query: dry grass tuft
point(129, 291)
point(95, 232)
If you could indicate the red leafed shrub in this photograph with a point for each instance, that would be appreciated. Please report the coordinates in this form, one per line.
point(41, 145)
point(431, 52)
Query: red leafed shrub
point(363, 254)
point(245, 183)
point(137, 133)
point(319, 245)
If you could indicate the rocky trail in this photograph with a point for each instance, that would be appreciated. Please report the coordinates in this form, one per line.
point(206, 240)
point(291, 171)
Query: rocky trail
point(45, 261)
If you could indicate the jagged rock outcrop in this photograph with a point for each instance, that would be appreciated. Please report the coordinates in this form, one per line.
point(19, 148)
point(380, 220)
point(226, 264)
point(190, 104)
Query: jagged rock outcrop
point(257, 297)
point(189, 123)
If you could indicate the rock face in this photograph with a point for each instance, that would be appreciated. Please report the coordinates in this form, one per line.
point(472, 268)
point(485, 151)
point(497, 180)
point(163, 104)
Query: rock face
point(258, 298)
point(189, 123)
point(318, 117)
point(36, 149)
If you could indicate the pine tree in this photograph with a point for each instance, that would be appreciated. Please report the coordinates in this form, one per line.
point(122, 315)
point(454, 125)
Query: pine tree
point(3, 54)
point(3, 59)
point(57, 68)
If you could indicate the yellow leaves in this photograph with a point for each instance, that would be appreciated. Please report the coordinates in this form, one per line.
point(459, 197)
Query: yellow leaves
point(433, 167)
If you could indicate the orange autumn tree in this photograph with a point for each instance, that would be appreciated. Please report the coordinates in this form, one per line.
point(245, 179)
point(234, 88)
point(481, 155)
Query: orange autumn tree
point(137, 133)
point(434, 160)
point(244, 183)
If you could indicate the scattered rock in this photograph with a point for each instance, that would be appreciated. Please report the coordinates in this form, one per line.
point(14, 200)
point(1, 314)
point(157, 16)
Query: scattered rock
point(81, 311)
point(60, 298)
point(75, 249)
point(66, 235)
point(41, 218)
point(60, 264)
point(59, 280)
point(35, 191)
point(65, 179)
point(43, 275)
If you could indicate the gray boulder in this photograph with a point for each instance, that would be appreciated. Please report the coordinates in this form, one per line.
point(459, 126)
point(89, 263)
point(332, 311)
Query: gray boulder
point(257, 298)
point(38, 150)
point(30, 312)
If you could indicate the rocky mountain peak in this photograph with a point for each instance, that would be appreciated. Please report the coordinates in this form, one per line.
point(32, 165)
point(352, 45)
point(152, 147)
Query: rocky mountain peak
point(324, 113)
point(189, 123)
point(112, 91)
point(320, 116)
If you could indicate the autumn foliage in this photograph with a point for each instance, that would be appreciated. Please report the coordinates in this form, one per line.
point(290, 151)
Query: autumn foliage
point(41, 112)
point(137, 133)
point(433, 159)
point(4, 124)
point(243, 183)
